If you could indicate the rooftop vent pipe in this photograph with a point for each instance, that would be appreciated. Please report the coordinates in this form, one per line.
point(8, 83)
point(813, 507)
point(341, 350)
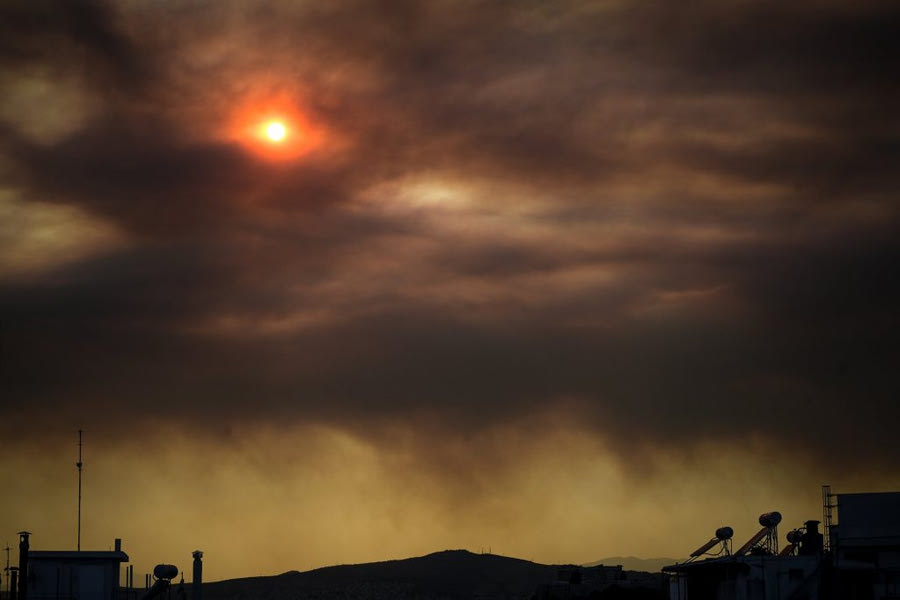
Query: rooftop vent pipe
point(197, 584)
point(23, 564)
point(13, 582)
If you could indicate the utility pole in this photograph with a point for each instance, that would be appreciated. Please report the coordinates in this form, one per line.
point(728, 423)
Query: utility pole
point(79, 464)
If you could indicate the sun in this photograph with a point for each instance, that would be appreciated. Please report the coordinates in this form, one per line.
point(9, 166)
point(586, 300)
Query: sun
point(275, 131)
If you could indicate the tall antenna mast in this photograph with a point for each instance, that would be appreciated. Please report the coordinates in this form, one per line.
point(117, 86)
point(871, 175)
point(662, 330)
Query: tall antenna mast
point(79, 464)
point(6, 570)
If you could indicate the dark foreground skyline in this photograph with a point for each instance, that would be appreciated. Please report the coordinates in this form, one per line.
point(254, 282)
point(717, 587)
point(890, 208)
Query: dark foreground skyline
point(567, 280)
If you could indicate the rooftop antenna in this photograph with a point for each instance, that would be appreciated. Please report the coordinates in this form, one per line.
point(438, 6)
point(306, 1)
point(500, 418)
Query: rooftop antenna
point(79, 464)
point(6, 570)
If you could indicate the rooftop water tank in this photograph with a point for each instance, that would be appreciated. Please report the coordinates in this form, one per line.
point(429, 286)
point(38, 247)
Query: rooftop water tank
point(165, 572)
point(770, 519)
point(724, 533)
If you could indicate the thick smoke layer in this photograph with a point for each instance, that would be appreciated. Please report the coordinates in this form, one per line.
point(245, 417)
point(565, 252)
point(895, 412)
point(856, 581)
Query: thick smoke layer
point(664, 229)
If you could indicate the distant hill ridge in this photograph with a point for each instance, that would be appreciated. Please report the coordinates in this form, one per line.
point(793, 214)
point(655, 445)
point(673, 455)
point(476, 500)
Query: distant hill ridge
point(446, 574)
point(633, 563)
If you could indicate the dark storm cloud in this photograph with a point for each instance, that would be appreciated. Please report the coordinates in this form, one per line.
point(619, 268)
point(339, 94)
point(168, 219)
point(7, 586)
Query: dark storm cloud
point(173, 186)
point(602, 276)
point(772, 47)
point(81, 35)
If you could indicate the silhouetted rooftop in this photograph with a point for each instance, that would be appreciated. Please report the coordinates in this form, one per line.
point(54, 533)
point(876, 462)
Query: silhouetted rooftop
point(75, 555)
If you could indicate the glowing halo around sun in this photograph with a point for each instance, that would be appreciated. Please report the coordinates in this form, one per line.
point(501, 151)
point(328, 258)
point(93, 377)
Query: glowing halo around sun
point(275, 129)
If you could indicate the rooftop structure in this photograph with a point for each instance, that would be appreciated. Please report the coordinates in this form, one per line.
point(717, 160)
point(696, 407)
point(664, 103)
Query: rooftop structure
point(87, 575)
point(861, 558)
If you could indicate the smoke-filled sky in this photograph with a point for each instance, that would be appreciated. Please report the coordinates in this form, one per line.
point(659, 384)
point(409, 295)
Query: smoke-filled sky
point(561, 280)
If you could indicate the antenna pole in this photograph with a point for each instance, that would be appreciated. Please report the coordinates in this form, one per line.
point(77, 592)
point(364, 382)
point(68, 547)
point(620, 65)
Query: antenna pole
point(79, 464)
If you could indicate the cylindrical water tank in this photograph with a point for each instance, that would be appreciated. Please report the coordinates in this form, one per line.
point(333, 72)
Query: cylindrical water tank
point(770, 519)
point(165, 572)
point(724, 533)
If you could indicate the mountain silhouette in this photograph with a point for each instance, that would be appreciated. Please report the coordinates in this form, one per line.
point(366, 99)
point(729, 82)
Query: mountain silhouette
point(449, 574)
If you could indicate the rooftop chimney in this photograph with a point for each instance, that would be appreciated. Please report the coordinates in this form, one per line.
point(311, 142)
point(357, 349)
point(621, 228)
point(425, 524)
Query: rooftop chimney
point(812, 542)
point(197, 584)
